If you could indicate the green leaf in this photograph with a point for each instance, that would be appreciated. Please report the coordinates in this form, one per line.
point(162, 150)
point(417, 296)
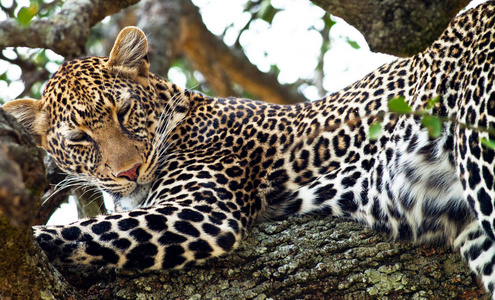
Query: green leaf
point(375, 130)
point(3, 76)
point(274, 69)
point(26, 14)
point(329, 22)
point(488, 143)
point(399, 105)
point(267, 12)
point(433, 124)
point(432, 102)
point(353, 44)
point(41, 58)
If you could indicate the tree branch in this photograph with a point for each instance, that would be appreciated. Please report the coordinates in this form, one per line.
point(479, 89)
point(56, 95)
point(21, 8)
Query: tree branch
point(31, 72)
point(398, 27)
point(300, 258)
point(221, 65)
point(162, 44)
point(65, 32)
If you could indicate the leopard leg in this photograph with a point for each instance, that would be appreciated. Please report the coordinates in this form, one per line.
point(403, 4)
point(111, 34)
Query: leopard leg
point(165, 236)
point(479, 251)
point(477, 243)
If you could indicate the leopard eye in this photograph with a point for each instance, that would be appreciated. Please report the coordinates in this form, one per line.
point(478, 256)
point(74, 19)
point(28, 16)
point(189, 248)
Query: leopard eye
point(123, 111)
point(78, 137)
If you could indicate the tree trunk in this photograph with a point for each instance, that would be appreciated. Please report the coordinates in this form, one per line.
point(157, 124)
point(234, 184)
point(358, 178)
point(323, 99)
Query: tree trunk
point(24, 270)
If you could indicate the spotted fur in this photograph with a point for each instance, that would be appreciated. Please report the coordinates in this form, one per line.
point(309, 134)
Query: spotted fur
point(191, 173)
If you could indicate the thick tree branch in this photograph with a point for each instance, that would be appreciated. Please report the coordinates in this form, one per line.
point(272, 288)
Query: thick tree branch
point(22, 175)
point(299, 258)
point(398, 27)
point(65, 32)
point(221, 65)
point(162, 44)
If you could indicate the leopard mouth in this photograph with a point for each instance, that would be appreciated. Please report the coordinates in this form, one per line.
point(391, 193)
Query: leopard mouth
point(125, 186)
point(133, 199)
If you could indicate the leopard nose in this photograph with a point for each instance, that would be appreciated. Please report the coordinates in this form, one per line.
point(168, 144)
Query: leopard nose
point(131, 174)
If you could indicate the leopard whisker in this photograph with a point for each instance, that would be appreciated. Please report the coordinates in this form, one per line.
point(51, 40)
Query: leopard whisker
point(164, 121)
point(69, 182)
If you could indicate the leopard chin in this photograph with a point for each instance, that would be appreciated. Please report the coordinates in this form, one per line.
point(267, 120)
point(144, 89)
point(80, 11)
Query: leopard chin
point(132, 200)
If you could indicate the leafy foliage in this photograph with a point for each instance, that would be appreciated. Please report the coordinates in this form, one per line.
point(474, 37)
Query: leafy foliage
point(488, 143)
point(25, 14)
point(266, 11)
point(433, 125)
point(399, 105)
point(32, 63)
point(429, 121)
point(375, 131)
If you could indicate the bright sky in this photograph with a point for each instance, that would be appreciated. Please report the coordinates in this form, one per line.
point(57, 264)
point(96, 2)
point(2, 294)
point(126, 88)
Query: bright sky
point(292, 43)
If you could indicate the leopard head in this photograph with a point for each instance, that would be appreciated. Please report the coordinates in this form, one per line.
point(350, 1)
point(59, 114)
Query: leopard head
point(98, 117)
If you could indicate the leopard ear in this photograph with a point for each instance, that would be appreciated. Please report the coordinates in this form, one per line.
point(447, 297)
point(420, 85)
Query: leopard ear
point(129, 56)
point(29, 113)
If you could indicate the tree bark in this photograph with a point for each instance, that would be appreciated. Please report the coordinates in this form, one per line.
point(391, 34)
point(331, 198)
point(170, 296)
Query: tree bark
point(299, 258)
point(163, 46)
point(398, 27)
point(24, 270)
point(65, 32)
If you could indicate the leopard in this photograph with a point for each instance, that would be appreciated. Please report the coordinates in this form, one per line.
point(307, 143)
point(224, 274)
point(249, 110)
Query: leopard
point(190, 174)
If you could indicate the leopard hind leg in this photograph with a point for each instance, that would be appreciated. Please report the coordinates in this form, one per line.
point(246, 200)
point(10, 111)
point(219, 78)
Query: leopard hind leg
point(478, 249)
point(412, 191)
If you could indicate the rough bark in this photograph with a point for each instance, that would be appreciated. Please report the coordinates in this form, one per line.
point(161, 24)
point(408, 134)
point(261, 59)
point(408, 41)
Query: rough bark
point(65, 32)
point(24, 270)
point(398, 27)
point(299, 258)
